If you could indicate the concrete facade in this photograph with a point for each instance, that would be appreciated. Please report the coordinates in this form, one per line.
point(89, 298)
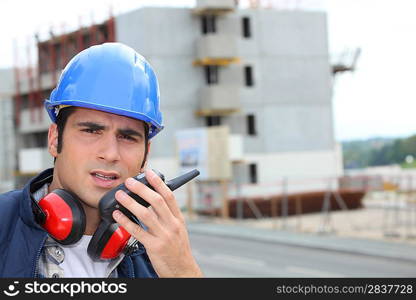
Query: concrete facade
point(7, 138)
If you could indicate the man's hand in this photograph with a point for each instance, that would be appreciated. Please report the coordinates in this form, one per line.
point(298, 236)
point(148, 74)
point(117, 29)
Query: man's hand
point(166, 241)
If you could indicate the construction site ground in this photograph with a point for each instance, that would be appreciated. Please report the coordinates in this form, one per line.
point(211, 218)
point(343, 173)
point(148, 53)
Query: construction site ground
point(385, 226)
point(389, 218)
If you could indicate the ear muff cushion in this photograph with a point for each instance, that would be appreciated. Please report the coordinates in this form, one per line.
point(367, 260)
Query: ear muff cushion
point(108, 241)
point(65, 217)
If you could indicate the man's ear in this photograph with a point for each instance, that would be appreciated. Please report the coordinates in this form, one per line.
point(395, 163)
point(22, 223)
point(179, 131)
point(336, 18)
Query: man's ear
point(53, 140)
point(145, 158)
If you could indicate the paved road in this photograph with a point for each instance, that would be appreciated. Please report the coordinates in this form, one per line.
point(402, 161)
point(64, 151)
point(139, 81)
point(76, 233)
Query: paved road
point(234, 257)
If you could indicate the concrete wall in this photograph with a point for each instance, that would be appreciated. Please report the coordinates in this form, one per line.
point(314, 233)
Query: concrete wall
point(33, 160)
point(6, 83)
point(291, 98)
point(7, 140)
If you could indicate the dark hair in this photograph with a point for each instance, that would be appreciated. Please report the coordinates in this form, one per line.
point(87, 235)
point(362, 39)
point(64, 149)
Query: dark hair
point(63, 116)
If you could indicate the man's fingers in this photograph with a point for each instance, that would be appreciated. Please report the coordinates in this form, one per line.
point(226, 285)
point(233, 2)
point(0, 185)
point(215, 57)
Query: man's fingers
point(142, 213)
point(165, 192)
point(134, 229)
point(155, 199)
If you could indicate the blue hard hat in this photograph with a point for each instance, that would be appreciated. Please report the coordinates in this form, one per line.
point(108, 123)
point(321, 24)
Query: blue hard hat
point(110, 77)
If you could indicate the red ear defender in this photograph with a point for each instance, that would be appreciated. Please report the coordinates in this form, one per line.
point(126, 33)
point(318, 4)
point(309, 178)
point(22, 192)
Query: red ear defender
point(64, 216)
point(108, 241)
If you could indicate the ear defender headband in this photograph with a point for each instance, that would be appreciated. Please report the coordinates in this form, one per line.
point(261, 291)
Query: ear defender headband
point(60, 213)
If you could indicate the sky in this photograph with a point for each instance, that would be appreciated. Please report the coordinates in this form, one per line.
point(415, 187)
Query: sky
point(378, 99)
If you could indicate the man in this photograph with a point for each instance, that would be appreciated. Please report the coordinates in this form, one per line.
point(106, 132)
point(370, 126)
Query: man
point(105, 110)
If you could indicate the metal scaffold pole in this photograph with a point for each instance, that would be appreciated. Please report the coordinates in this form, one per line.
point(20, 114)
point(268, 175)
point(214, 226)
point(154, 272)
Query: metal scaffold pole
point(284, 203)
point(224, 196)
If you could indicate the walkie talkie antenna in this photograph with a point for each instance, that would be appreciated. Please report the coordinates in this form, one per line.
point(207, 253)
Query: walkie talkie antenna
point(177, 182)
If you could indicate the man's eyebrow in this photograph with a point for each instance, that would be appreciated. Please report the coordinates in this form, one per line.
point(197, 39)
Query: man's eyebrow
point(91, 125)
point(122, 131)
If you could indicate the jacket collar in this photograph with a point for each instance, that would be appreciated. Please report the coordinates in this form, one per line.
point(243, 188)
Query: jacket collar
point(26, 208)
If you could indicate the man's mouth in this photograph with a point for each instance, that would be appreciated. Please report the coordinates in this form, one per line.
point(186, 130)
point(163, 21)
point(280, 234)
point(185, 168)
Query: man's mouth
point(104, 176)
point(105, 179)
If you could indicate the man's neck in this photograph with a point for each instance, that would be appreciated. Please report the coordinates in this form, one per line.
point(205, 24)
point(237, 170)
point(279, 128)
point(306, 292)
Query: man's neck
point(92, 219)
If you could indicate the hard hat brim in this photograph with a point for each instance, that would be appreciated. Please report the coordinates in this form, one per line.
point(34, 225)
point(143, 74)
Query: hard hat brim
point(155, 127)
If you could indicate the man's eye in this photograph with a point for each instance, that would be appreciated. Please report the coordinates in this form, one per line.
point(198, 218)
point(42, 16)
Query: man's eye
point(128, 137)
point(89, 130)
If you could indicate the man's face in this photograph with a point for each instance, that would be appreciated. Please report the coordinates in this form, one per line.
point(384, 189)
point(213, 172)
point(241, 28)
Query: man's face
point(100, 150)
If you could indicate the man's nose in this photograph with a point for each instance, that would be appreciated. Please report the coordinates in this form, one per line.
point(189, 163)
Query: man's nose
point(109, 149)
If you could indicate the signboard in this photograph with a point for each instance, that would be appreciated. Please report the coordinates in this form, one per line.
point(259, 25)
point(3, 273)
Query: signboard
point(205, 149)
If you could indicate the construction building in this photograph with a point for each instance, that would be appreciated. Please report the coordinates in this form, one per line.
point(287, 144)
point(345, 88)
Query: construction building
point(264, 74)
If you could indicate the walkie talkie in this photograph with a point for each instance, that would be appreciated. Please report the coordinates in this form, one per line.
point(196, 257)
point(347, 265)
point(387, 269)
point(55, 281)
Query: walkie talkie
point(108, 202)
point(110, 239)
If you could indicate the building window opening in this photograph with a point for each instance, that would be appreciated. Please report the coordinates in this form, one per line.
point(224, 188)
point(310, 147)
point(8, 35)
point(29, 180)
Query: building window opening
point(246, 27)
point(208, 24)
point(248, 75)
point(252, 168)
point(251, 125)
point(213, 120)
point(211, 74)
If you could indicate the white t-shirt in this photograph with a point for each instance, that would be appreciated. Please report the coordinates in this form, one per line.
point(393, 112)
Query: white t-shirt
point(77, 262)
